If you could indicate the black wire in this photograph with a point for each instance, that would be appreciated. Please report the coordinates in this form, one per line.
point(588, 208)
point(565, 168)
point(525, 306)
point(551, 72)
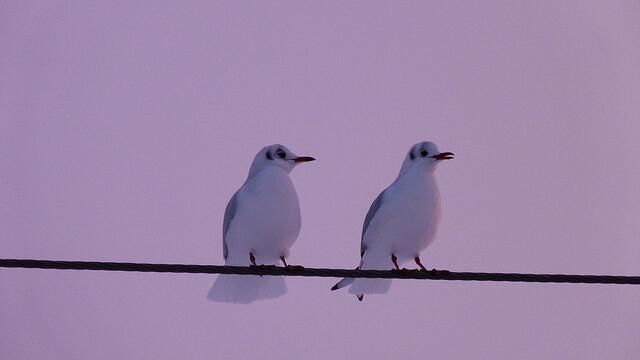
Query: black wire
point(298, 271)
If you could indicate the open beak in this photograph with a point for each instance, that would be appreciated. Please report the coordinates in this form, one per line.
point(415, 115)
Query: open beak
point(443, 156)
point(303, 159)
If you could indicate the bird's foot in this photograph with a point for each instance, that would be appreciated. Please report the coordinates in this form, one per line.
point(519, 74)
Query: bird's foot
point(437, 273)
point(404, 271)
point(263, 266)
point(293, 268)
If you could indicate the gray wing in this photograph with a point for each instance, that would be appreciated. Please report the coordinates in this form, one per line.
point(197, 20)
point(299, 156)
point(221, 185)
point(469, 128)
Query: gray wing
point(229, 213)
point(370, 214)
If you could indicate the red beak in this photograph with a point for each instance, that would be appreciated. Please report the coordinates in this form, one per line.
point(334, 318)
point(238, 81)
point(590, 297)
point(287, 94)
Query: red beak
point(303, 159)
point(443, 156)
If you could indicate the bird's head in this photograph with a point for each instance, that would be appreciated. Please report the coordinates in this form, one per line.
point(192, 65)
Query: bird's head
point(276, 155)
point(424, 155)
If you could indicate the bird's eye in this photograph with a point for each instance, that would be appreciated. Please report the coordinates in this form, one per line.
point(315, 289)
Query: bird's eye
point(423, 153)
point(268, 154)
point(281, 154)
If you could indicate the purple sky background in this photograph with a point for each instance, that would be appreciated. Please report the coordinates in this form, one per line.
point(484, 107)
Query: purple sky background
point(127, 126)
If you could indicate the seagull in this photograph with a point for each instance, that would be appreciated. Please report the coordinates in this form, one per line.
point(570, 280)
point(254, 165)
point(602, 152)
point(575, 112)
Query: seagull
point(402, 221)
point(261, 222)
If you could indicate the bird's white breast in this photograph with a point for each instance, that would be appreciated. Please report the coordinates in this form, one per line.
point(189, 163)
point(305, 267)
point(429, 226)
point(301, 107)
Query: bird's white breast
point(408, 219)
point(267, 219)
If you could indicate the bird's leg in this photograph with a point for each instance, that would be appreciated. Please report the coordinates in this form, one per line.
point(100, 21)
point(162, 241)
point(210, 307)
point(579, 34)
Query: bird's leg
point(253, 263)
point(434, 272)
point(253, 260)
point(290, 267)
point(395, 261)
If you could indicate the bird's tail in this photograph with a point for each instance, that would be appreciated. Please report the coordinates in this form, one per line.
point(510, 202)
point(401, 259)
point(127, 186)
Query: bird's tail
point(245, 289)
point(359, 287)
point(362, 286)
point(342, 283)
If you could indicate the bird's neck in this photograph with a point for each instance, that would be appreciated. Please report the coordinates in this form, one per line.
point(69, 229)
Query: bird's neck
point(266, 170)
point(416, 172)
point(271, 176)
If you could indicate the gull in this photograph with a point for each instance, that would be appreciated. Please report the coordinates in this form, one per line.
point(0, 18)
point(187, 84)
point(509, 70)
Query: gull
point(402, 221)
point(261, 222)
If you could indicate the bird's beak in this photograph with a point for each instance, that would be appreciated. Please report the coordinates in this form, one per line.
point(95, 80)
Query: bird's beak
point(303, 159)
point(443, 156)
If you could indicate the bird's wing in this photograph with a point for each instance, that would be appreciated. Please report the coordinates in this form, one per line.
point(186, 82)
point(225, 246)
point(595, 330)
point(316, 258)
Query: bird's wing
point(229, 213)
point(370, 215)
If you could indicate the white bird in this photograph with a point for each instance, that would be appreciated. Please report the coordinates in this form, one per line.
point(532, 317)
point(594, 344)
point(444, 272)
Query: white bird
point(261, 222)
point(402, 221)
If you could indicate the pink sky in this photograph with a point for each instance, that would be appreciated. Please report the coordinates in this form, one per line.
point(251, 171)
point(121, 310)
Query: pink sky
point(127, 126)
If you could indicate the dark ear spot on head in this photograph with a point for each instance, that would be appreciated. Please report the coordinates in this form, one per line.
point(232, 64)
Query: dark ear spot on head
point(411, 155)
point(269, 155)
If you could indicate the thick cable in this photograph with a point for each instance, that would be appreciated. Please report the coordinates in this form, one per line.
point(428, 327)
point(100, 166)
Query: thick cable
point(317, 272)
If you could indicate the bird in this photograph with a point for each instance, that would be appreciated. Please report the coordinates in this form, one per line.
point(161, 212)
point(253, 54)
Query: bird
point(261, 222)
point(402, 221)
